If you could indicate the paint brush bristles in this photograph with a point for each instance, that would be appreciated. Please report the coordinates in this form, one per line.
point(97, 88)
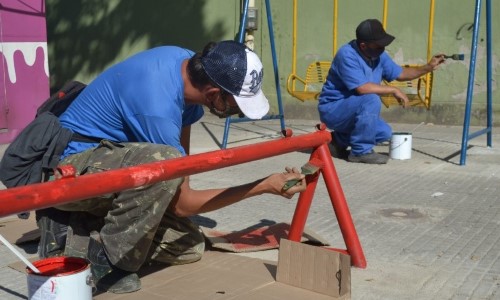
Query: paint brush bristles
point(455, 56)
point(311, 167)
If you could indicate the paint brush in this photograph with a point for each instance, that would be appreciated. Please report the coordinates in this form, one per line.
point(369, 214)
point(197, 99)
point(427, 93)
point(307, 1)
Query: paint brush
point(18, 254)
point(455, 56)
point(311, 167)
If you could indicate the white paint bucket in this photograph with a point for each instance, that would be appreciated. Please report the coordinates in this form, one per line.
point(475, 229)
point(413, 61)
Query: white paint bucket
point(60, 278)
point(400, 146)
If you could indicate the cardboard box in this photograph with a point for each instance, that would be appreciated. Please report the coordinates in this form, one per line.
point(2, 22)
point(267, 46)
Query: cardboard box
point(314, 268)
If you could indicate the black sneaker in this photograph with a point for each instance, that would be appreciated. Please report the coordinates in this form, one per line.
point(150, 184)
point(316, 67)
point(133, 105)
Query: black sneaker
point(119, 282)
point(337, 150)
point(53, 225)
point(369, 158)
point(107, 277)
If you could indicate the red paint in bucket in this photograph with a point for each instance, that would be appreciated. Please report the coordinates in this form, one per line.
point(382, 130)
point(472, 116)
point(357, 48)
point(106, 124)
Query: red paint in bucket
point(61, 278)
point(59, 266)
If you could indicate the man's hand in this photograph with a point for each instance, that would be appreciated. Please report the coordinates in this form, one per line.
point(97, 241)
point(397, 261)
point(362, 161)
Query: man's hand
point(435, 61)
point(401, 97)
point(410, 73)
point(276, 182)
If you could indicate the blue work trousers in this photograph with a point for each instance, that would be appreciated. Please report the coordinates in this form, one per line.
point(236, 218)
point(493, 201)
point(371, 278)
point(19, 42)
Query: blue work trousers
point(356, 122)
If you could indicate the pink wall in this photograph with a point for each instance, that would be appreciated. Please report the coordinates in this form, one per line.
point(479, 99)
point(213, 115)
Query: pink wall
point(24, 76)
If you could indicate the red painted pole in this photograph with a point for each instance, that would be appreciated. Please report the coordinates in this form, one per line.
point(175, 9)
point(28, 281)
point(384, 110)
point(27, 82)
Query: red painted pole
point(341, 209)
point(70, 189)
point(302, 208)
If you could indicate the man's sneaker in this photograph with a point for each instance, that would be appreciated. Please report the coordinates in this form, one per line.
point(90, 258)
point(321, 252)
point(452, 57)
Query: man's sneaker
point(119, 282)
point(53, 225)
point(337, 150)
point(108, 278)
point(369, 158)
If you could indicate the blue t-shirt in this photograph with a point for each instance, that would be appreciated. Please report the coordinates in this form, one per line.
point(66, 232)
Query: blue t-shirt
point(138, 100)
point(350, 70)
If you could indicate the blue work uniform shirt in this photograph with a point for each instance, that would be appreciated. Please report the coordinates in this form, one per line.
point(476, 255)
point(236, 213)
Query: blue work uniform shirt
point(138, 100)
point(350, 70)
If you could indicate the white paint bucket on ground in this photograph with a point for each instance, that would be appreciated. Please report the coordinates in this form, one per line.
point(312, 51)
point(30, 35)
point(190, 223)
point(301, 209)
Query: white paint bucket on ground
point(400, 146)
point(60, 278)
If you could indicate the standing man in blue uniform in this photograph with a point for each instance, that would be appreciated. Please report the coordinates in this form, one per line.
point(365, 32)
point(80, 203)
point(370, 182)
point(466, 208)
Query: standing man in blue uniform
point(349, 102)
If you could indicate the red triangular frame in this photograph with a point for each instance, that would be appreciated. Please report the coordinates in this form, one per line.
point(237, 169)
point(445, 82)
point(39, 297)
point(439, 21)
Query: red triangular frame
point(322, 153)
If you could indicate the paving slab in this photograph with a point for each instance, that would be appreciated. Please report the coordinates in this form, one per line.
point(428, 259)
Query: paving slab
point(429, 227)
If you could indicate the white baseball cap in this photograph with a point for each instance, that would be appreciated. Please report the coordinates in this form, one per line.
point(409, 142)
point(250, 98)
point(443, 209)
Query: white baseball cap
point(238, 70)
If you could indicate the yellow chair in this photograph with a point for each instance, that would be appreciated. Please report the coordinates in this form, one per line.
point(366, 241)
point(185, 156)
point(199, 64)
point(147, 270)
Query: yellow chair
point(418, 90)
point(311, 85)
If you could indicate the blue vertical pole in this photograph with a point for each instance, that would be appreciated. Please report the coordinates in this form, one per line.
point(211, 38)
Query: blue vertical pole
point(241, 34)
point(275, 64)
point(241, 37)
point(470, 86)
point(489, 78)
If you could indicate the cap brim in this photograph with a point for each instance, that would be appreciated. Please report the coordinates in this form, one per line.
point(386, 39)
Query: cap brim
point(254, 107)
point(385, 41)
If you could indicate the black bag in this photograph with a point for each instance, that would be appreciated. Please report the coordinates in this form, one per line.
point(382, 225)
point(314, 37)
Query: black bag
point(60, 101)
point(37, 149)
point(33, 155)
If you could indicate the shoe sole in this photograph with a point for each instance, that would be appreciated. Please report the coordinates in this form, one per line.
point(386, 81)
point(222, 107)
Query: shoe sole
point(361, 160)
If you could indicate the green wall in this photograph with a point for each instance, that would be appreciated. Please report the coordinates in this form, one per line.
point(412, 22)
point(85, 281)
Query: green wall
point(86, 36)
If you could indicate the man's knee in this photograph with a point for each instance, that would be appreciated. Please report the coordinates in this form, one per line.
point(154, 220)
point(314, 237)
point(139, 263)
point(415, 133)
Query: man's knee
point(385, 133)
point(370, 103)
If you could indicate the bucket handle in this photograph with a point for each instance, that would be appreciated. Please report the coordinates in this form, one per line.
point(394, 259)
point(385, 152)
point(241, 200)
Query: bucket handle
point(91, 282)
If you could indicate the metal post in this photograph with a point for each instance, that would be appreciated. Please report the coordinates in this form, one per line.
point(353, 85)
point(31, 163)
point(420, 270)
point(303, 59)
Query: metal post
point(70, 188)
point(470, 85)
point(275, 64)
point(466, 136)
point(302, 207)
point(341, 208)
point(241, 39)
point(241, 36)
point(489, 78)
point(339, 205)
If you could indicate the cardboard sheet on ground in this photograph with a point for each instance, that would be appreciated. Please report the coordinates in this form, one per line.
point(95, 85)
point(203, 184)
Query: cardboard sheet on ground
point(257, 239)
point(222, 275)
point(18, 231)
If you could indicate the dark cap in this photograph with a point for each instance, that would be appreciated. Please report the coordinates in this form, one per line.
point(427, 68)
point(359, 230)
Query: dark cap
point(372, 31)
point(238, 70)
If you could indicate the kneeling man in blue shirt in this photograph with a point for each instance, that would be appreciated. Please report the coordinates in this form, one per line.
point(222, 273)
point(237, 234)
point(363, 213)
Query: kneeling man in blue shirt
point(349, 102)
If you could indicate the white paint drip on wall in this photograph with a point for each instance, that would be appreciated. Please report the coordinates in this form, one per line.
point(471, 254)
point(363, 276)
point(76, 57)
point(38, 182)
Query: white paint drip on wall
point(28, 49)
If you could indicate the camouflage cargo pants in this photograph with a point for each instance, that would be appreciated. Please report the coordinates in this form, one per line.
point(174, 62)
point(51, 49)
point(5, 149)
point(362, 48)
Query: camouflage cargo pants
point(135, 225)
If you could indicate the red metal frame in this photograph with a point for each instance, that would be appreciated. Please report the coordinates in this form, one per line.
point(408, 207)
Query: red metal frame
point(70, 188)
point(339, 204)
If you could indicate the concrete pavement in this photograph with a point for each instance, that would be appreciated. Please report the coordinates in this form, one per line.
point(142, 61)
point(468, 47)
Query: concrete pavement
point(429, 228)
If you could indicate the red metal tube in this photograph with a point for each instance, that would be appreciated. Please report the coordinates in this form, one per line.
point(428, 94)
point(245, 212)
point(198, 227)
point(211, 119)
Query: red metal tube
point(303, 206)
point(69, 189)
point(341, 209)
